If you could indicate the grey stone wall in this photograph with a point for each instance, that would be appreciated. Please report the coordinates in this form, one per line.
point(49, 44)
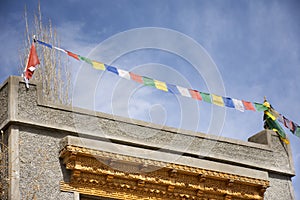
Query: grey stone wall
point(4, 181)
point(40, 167)
point(3, 103)
point(280, 188)
point(42, 125)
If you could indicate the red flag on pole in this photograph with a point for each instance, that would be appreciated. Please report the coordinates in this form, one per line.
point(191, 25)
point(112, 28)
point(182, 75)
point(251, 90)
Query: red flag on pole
point(33, 60)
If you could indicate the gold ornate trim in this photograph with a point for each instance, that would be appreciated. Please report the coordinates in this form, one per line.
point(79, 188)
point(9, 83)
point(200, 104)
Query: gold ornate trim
point(124, 177)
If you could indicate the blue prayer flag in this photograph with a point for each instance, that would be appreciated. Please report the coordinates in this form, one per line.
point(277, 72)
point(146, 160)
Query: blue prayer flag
point(45, 44)
point(228, 102)
point(172, 88)
point(112, 69)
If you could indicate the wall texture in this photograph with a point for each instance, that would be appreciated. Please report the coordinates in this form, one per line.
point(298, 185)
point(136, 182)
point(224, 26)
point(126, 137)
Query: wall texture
point(3, 103)
point(41, 126)
point(40, 167)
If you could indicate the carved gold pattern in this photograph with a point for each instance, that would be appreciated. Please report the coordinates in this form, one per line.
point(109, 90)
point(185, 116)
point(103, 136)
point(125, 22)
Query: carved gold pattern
point(125, 177)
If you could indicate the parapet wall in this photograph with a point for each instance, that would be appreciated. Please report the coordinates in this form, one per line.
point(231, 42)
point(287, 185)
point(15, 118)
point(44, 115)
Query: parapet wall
point(27, 111)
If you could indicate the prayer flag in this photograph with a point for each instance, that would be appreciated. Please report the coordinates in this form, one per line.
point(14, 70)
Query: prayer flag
point(148, 81)
point(112, 69)
point(270, 115)
point(195, 94)
point(297, 131)
point(274, 125)
point(45, 44)
point(206, 97)
point(33, 60)
point(172, 88)
point(183, 91)
point(217, 100)
point(228, 102)
point(87, 60)
point(288, 124)
point(274, 112)
point(136, 78)
point(260, 107)
point(98, 65)
point(124, 74)
point(238, 104)
point(72, 55)
point(160, 85)
point(59, 49)
point(248, 105)
point(280, 119)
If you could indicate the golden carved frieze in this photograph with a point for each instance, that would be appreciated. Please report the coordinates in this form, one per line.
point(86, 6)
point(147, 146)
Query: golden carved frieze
point(125, 177)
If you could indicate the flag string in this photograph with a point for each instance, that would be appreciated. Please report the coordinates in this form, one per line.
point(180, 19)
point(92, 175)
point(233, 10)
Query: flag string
point(237, 104)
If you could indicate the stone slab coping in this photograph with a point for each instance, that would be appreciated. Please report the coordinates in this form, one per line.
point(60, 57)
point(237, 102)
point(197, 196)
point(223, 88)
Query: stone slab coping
point(157, 155)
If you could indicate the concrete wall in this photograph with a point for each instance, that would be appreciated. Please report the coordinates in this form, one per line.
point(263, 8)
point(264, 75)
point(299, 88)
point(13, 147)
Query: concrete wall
point(36, 127)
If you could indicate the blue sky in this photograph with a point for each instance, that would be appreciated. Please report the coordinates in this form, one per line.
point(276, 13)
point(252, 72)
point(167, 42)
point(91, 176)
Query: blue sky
point(253, 44)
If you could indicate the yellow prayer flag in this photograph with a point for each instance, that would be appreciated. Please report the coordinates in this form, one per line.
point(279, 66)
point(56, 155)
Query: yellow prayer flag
point(267, 104)
point(270, 115)
point(217, 100)
point(286, 141)
point(161, 85)
point(98, 65)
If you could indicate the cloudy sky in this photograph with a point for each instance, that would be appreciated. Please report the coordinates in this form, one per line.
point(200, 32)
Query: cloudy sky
point(244, 49)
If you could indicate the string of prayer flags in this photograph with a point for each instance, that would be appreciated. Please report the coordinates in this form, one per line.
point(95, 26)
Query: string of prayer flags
point(191, 93)
point(240, 105)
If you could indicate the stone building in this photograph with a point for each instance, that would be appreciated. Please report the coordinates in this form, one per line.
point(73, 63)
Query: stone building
point(60, 152)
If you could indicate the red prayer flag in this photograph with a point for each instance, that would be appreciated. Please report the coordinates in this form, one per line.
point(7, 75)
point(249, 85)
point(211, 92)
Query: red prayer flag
point(248, 105)
point(72, 55)
point(195, 94)
point(33, 60)
point(289, 124)
point(136, 77)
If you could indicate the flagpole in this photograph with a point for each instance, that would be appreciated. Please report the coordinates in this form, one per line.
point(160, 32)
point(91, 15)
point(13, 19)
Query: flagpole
point(25, 68)
point(23, 73)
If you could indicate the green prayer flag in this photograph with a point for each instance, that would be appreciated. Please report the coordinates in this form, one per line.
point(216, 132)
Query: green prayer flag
point(85, 59)
point(297, 132)
point(260, 107)
point(274, 125)
point(205, 97)
point(148, 81)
